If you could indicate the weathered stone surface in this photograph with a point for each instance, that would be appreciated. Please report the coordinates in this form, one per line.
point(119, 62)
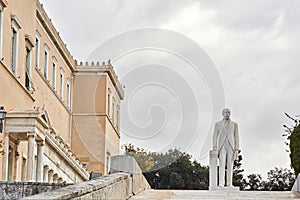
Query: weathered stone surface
point(128, 164)
point(212, 195)
point(18, 190)
point(114, 186)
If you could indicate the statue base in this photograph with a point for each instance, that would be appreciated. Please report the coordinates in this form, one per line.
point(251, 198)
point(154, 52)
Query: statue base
point(225, 189)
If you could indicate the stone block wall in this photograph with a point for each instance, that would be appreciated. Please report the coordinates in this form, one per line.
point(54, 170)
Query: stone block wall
point(18, 190)
point(129, 165)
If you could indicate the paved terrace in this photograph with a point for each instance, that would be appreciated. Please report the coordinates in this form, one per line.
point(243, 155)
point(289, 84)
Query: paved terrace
point(203, 194)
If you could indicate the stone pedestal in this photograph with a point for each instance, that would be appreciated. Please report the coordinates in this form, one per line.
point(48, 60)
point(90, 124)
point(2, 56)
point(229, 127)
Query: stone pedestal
point(213, 164)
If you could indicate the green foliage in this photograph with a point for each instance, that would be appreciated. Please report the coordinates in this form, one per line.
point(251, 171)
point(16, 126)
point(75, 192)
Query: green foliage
point(295, 149)
point(254, 182)
point(293, 137)
point(237, 173)
point(180, 174)
point(279, 179)
point(170, 170)
point(145, 160)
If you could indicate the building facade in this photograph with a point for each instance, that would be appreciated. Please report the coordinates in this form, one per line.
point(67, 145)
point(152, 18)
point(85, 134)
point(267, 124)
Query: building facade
point(63, 117)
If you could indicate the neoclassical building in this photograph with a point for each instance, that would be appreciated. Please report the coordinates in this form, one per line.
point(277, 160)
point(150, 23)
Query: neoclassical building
point(63, 117)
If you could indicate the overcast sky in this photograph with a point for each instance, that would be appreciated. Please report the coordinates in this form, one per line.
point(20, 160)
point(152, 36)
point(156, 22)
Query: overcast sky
point(254, 46)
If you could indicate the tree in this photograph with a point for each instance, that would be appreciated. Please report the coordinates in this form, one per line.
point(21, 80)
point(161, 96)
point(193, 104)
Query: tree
point(293, 137)
point(279, 179)
point(144, 160)
point(170, 170)
point(237, 172)
point(254, 182)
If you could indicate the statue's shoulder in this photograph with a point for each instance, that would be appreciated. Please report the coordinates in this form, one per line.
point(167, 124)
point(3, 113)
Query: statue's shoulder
point(219, 123)
point(234, 123)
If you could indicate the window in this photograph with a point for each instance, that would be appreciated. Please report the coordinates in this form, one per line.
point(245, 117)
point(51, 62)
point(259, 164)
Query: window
point(1, 32)
point(46, 55)
point(27, 69)
point(14, 50)
point(15, 26)
point(68, 93)
point(54, 73)
point(1, 26)
point(118, 117)
point(107, 162)
point(108, 102)
point(61, 83)
point(37, 50)
point(113, 111)
point(29, 44)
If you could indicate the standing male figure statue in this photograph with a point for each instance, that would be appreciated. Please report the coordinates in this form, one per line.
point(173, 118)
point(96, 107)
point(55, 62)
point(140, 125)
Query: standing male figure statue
point(226, 143)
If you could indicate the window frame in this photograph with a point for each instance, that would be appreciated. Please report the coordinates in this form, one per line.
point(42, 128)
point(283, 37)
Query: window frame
point(54, 71)
point(37, 49)
point(46, 61)
point(61, 83)
point(15, 27)
point(68, 93)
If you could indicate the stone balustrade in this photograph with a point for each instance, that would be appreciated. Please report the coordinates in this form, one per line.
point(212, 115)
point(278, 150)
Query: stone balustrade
point(126, 179)
point(57, 142)
point(113, 186)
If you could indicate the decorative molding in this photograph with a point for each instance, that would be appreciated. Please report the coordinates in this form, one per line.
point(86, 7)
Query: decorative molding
point(15, 22)
point(46, 23)
point(29, 41)
point(3, 4)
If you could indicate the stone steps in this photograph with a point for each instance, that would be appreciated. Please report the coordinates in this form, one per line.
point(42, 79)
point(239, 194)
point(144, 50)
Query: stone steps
point(212, 195)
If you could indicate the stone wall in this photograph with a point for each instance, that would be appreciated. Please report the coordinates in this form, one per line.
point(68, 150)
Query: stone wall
point(129, 165)
point(18, 190)
point(125, 180)
point(113, 186)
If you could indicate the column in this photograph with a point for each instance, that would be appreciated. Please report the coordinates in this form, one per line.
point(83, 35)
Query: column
point(45, 174)
point(23, 177)
point(55, 178)
point(5, 157)
point(50, 176)
point(17, 155)
point(40, 156)
point(30, 157)
point(213, 163)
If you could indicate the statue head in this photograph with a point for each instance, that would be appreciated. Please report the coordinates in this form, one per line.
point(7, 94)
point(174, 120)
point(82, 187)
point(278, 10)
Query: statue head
point(226, 113)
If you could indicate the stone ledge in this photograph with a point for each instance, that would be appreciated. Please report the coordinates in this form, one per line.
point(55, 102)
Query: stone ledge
point(225, 189)
point(89, 188)
point(17, 190)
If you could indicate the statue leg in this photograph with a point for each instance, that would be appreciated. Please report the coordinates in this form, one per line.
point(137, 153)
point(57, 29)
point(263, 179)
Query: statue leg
point(229, 165)
point(222, 159)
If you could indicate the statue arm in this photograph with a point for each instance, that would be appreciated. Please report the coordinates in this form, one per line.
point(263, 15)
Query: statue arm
point(215, 138)
point(236, 138)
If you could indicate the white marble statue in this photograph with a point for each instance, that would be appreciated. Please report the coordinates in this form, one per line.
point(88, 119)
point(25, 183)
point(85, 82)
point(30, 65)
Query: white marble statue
point(226, 147)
